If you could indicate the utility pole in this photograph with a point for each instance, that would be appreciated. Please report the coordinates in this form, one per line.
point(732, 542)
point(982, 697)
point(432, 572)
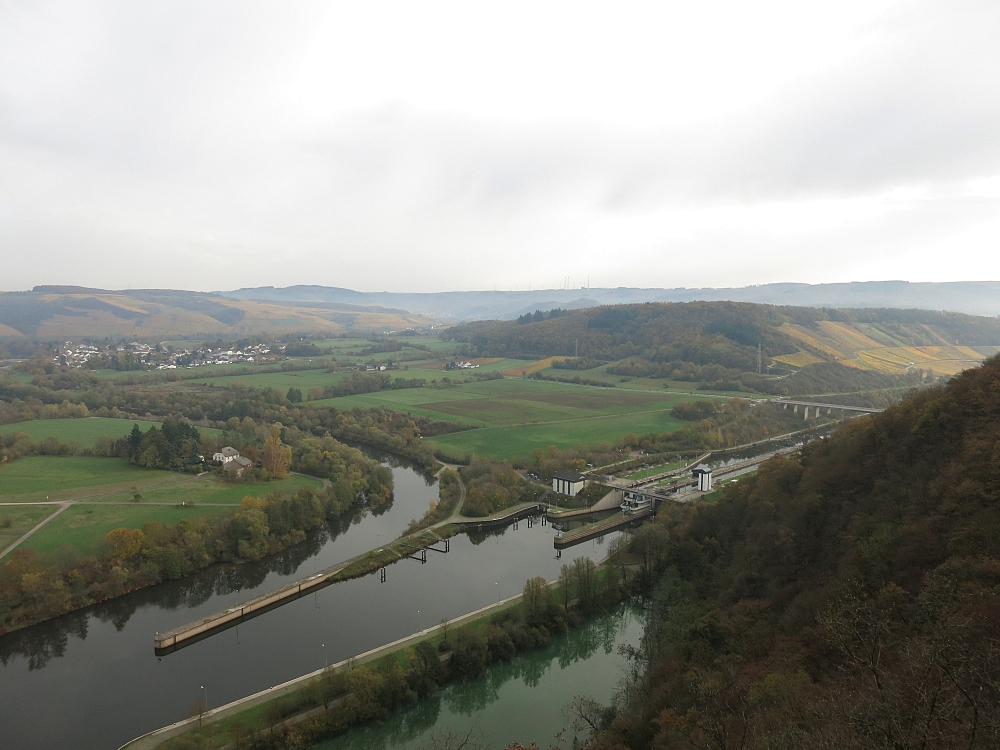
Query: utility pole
point(758, 357)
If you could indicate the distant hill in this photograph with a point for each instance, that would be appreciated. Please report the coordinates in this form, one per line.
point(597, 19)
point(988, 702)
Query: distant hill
point(970, 297)
point(802, 349)
point(53, 312)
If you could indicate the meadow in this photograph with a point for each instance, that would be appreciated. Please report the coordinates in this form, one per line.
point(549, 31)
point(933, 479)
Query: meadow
point(37, 478)
point(16, 520)
point(519, 415)
point(84, 432)
point(517, 441)
point(105, 489)
point(82, 527)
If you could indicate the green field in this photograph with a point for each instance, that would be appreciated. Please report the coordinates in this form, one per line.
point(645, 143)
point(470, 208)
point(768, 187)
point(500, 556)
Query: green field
point(105, 487)
point(62, 477)
point(511, 401)
point(37, 478)
point(518, 441)
point(522, 414)
point(83, 432)
point(84, 526)
point(301, 379)
point(22, 518)
point(210, 489)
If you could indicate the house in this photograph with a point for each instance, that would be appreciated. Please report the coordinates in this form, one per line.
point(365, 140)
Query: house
point(568, 482)
point(237, 465)
point(226, 455)
point(703, 474)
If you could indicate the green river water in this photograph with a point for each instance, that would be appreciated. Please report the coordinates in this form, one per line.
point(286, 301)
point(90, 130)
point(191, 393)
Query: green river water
point(520, 701)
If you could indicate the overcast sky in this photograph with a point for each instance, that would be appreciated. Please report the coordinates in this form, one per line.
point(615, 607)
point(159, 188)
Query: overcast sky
point(422, 146)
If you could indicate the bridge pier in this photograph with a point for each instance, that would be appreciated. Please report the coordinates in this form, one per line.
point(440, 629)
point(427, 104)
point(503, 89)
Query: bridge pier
point(795, 409)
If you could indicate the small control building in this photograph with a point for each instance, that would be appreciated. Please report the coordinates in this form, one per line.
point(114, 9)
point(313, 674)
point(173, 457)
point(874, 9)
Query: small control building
point(703, 474)
point(568, 482)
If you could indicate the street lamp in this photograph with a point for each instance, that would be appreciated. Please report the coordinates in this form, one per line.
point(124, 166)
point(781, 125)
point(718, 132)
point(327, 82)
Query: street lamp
point(206, 696)
point(326, 659)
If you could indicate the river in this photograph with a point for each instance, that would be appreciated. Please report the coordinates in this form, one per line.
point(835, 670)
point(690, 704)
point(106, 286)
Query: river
point(504, 706)
point(90, 679)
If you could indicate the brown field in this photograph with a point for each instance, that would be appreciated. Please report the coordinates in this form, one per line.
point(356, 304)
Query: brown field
point(799, 359)
point(542, 364)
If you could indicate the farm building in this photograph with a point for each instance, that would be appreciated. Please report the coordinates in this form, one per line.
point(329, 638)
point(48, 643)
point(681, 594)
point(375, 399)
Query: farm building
point(238, 465)
point(703, 474)
point(568, 482)
point(226, 455)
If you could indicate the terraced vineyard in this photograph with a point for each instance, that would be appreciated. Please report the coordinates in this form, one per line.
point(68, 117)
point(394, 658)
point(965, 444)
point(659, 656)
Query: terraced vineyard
point(867, 347)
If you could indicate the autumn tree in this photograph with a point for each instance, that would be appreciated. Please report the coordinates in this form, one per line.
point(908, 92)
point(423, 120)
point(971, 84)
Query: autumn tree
point(277, 456)
point(125, 543)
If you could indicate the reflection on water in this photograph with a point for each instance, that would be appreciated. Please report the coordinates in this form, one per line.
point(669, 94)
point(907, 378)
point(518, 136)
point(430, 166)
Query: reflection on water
point(48, 639)
point(98, 665)
point(520, 701)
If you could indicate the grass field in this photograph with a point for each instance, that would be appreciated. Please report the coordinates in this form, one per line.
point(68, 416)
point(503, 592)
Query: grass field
point(211, 489)
point(21, 519)
point(518, 441)
point(37, 478)
point(519, 415)
point(106, 486)
point(84, 526)
point(83, 432)
point(301, 379)
point(511, 401)
point(33, 477)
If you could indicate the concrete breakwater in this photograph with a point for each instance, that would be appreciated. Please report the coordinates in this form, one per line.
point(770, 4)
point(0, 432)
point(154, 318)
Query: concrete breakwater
point(165, 643)
point(584, 533)
point(511, 517)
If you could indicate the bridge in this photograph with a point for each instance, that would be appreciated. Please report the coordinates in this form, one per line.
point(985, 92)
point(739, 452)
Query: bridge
point(807, 405)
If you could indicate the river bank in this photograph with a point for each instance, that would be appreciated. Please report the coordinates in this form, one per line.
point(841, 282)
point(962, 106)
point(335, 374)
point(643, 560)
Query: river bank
point(271, 711)
point(99, 662)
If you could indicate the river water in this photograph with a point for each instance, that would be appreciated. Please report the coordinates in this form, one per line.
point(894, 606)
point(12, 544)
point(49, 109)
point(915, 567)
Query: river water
point(503, 706)
point(90, 679)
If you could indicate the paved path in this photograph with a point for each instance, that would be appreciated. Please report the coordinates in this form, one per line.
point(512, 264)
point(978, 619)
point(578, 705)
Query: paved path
point(62, 507)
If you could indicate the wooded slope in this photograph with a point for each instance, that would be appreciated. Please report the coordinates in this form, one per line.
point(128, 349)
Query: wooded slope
point(849, 599)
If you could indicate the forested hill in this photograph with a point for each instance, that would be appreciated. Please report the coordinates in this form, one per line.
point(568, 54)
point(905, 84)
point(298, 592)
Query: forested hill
point(711, 341)
point(846, 599)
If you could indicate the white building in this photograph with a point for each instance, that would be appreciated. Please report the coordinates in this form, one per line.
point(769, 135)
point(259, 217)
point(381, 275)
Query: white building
point(568, 482)
point(703, 474)
point(226, 455)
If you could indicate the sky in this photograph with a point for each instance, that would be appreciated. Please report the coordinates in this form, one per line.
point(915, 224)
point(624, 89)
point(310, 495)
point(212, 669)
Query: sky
point(401, 146)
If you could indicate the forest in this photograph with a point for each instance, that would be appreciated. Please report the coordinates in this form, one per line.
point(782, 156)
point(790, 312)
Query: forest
point(716, 343)
point(846, 598)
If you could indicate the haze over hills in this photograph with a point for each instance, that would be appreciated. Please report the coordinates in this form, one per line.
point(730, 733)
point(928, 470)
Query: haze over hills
point(68, 312)
point(971, 297)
